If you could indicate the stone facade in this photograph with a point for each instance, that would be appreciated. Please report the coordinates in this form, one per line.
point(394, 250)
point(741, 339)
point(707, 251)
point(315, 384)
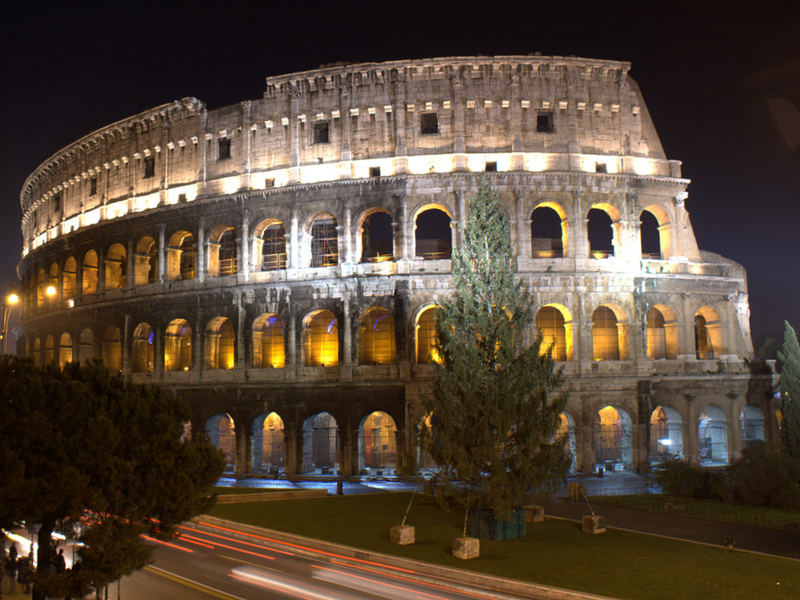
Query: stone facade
point(279, 256)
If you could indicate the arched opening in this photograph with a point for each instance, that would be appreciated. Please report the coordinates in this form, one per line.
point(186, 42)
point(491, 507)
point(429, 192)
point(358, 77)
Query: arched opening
point(649, 235)
point(321, 339)
point(566, 429)
point(751, 425)
point(178, 346)
point(320, 441)
point(69, 281)
point(145, 262)
point(222, 433)
point(324, 242)
point(600, 230)
point(112, 349)
point(607, 335)
point(666, 434)
point(426, 337)
point(222, 259)
point(89, 273)
point(64, 350)
point(268, 342)
point(180, 256)
point(268, 445)
point(116, 263)
point(143, 354)
point(707, 334)
point(613, 435)
point(433, 236)
point(712, 436)
point(52, 280)
point(273, 247)
point(86, 349)
point(661, 333)
point(377, 237)
point(37, 352)
point(41, 286)
point(547, 233)
point(376, 342)
point(220, 340)
point(556, 332)
point(377, 444)
point(49, 350)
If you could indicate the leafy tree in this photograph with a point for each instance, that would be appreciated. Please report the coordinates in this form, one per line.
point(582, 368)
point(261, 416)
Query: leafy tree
point(79, 441)
point(789, 387)
point(494, 399)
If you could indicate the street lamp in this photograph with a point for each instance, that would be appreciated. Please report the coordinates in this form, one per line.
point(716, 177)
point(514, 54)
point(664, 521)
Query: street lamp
point(9, 302)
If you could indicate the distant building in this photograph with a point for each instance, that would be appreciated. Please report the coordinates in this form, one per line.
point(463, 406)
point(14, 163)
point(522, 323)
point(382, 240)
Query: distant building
point(277, 262)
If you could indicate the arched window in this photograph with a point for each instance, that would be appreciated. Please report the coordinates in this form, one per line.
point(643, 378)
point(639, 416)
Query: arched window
point(273, 247)
point(650, 238)
point(605, 335)
point(219, 344)
point(324, 242)
point(613, 439)
point(143, 355)
point(550, 322)
point(601, 234)
point(376, 339)
point(751, 425)
point(268, 342)
point(49, 350)
point(377, 237)
point(69, 281)
point(707, 334)
point(86, 349)
point(666, 434)
point(222, 259)
point(180, 256)
point(712, 436)
point(145, 262)
point(178, 346)
point(547, 233)
point(116, 263)
point(656, 334)
point(221, 432)
point(112, 349)
point(268, 446)
point(432, 234)
point(378, 442)
point(320, 440)
point(89, 273)
point(52, 282)
point(321, 339)
point(426, 337)
point(65, 350)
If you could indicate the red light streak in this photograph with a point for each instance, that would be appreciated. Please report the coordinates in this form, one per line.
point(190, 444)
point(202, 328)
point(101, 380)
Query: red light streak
point(147, 537)
point(192, 540)
point(230, 539)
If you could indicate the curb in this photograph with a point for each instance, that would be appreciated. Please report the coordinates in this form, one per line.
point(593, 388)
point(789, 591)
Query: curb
point(328, 551)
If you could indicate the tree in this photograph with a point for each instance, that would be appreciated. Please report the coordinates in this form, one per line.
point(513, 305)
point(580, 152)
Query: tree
point(494, 403)
point(79, 443)
point(789, 387)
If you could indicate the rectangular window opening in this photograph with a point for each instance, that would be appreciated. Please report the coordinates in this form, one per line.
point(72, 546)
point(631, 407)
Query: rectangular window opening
point(374, 171)
point(491, 167)
point(93, 186)
point(544, 122)
point(57, 203)
point(429, 123)
point(149, 167)
point(600, 167)
point(224, 147)
point(321, 133)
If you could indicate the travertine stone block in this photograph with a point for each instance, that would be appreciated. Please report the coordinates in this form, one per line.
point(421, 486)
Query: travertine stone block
point(534, 513)
point(466, 548)
point(402, 535)
point(593, 524)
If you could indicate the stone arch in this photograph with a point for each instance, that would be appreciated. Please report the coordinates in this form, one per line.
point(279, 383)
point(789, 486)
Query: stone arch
point(53, 281)
point(64, 349)
point(602, 230)
point(221, 432)
point(270, 245)
point(112, 348)
point(751, 425)
point(324, 235)
point(89, 268)
point(222, 253)
point(321, 339)
point(269, 344)
point(566, 429)
point(707, 333)
point(86, 348)
point(660, 240)
point(554, 321)
point(220, 344)
point(425, 335)
point(320, 444)
point(661, 333)
point(69, 279)
point(649, 235)
point(609, 333)
point(181, 256)
point(178, 346)
point(613, 437)
point(268, 444)
point(666, 434)
point(36, 353)
point(49, 350)
point(712, 435)
point(377, 443)
point(375, 242)
point(41, 286)
point(376, 340)
point(116, 263)
point(145, 268)
point(143, 353)
point(433, 232)
point(548, 230)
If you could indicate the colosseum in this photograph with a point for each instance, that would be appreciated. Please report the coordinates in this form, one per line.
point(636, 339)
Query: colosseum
point(277, 262)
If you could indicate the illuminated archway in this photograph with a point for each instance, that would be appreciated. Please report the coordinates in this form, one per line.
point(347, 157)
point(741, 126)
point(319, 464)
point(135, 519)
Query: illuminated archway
point(377, 237)
point(548, 232)
point(143, 354)
point(649, 235)
point(433, 236)
point(49, 350)
point(324, 242)
point(112, 348)
point(221, 432)
point(180, 256)
point(268, 444)
point(712, 435)
point(666, 434)
point(69, 280)
point(89, 273)
point(321, 339)
point(145, 268)
point(222, 254)
point(426, 337)
point(178, 346)
point(613, 439)
point(270, 245)
point(707, 334)
point(609, 335)
point(220, 342)
point(320, 443)
point(268, 342)
point(64, 350)
point(377, 443)
point(86, 348)
point(376, 342)
point(600, 230)
point(661, 333)
point(555, 324)
point(116, 267)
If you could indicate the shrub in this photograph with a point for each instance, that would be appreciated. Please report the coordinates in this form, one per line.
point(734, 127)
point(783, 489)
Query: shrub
point(766, 477)
point(677, 477)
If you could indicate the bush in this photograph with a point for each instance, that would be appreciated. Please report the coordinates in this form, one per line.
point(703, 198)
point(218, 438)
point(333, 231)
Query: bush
point(766, 477)
point(677, 477)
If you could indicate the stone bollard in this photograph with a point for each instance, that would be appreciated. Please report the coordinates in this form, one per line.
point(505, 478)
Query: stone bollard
point(534, 513)
point(466, 548)
point(593, 524)
point(402, 535)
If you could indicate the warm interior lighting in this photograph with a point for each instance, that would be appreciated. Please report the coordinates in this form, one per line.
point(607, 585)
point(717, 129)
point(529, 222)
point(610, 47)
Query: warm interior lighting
point(50, 291)
point(12, 298)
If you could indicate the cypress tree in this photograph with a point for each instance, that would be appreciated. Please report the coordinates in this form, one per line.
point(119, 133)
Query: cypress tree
point(494, 403)
point(789, 387)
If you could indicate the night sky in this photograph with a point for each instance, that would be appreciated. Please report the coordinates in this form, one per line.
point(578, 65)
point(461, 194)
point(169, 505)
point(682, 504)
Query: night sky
point(721, 81)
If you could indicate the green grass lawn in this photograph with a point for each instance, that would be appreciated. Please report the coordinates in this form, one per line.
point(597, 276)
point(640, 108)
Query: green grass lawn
point(618, 564)
point(709, 509)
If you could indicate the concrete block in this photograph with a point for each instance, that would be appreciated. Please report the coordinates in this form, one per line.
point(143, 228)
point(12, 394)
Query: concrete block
point(593, 524)
point(534, 513)
point(402, 535)
point(466, 548)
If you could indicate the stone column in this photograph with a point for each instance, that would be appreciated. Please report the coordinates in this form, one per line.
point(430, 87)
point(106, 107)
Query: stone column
point(101, 270)
point(347, 333)
point(406, 230)
point(200, 257)
point(294, 447)
point(349, 253)
point(162, 262)
point(244, 248)
point(241, 335)
point(691, 442)
point(294, 233)
point(158, 348)
point(291, 338)
point(243, 458)
point(578, 237)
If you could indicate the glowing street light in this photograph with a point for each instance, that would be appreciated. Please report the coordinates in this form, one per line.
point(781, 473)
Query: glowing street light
point(9, 302)
point(50, 291)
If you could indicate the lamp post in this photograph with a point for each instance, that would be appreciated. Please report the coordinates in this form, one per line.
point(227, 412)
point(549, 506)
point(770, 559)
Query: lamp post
point(9, 302)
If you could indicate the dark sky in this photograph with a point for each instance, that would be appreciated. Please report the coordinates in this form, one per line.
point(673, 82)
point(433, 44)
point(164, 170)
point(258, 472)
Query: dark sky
point(721, 81)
